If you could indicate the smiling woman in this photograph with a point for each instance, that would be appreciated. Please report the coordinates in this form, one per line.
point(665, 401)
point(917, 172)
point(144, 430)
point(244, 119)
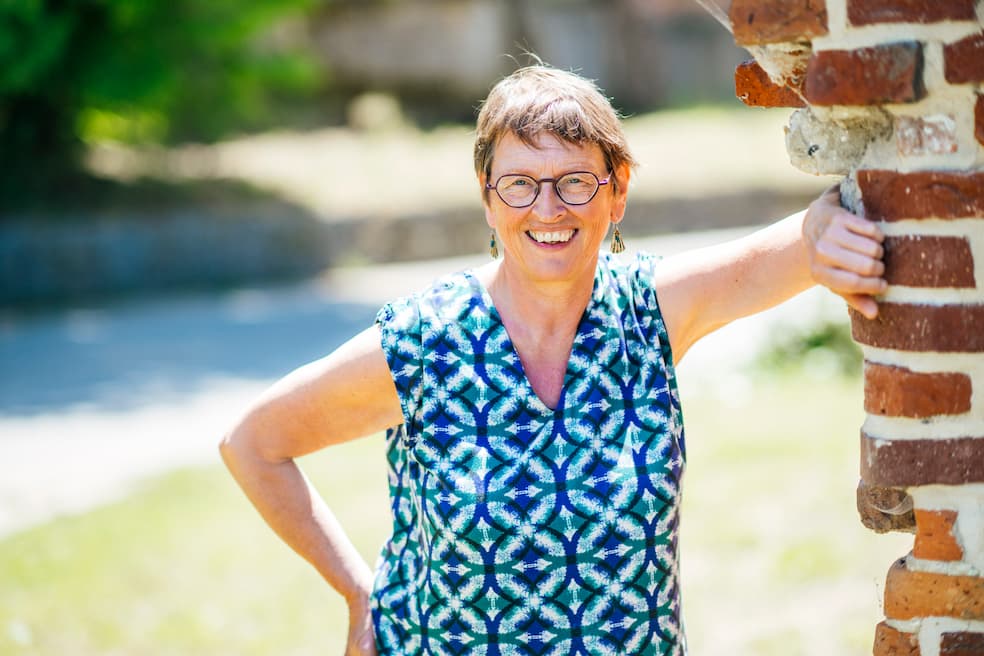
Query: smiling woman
point(552, 239)
point(535, 441)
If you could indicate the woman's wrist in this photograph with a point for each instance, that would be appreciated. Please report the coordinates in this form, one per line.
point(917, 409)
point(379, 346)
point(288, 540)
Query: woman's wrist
point(358, 597)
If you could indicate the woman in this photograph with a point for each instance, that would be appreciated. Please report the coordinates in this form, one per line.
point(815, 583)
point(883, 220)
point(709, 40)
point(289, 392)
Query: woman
point(536, 440)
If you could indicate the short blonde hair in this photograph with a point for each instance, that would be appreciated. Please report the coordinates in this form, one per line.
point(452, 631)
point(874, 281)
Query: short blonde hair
point(538, 99)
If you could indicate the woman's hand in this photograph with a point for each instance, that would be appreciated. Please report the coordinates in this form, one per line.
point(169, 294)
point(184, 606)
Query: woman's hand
point(361, 636)
point(845, 252)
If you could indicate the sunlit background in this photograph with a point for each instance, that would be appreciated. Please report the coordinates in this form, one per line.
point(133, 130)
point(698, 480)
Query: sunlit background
point(197, 196)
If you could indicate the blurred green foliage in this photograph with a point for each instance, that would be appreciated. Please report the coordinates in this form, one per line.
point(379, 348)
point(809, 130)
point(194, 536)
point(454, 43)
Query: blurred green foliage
point(826, 347)
point(73, 71)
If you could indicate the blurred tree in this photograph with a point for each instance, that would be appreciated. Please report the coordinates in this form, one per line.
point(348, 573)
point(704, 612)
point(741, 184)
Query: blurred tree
point(73, 71)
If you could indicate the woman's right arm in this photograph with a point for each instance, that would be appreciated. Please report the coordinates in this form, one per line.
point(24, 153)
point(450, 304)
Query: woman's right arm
point(345, 395)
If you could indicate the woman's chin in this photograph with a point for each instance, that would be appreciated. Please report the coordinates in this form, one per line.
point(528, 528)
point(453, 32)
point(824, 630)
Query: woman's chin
point(557, 265)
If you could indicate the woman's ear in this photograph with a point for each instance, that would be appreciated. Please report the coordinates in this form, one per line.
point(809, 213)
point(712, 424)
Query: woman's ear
point(486, 201)
point(621, 177)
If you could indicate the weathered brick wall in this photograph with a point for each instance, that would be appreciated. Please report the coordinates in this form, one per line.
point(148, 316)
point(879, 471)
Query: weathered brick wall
point(890, 94)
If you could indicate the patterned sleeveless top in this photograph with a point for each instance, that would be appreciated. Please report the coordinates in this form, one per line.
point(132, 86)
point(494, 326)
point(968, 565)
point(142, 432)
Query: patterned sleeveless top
point(518, 529)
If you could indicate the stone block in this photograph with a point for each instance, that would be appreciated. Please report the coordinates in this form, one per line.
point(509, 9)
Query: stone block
point(929, 261)
point(899, 392)
point(892, 196)
point(833, 147)
point(934, 536)
point(979, 119)
point(917, 327)
point(962, 644)
point(912, 594)
point(757, 22)
point(755, 88)
point(869, 12)
point(926, 135)
point(883, 509)
point(890, 642)
point(907, 463)
point(963, 61)
point(882, 74)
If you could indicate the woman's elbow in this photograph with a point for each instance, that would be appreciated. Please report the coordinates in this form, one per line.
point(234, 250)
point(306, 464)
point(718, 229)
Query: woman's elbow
point(234, 448)
point(228, 446)
point(243, 444)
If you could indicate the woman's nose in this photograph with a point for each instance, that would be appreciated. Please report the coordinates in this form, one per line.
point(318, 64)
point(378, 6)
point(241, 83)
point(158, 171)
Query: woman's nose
point(547, 205)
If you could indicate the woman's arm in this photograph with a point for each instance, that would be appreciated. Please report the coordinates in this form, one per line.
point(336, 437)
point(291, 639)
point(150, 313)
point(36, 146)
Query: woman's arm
point(346, 395)
point(705, 289)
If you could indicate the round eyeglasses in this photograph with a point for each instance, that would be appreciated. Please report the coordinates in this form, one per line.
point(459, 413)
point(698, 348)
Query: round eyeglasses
point(574, 188)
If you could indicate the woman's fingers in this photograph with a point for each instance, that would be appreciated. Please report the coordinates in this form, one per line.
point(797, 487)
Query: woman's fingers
point(863, 304)
point(857, 235)
point(848, 259)
point(845, 252)
point(848, 264)
point(848, 282)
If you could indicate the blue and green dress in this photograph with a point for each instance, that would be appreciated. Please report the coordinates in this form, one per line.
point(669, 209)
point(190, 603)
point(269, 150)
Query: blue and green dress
point(520, 529)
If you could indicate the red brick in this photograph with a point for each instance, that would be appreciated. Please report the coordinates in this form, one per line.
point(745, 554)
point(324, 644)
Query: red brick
point(756, 22)
point(900, 392)
point(867, 12)
point(891, 196)
point(934, 536)
point(905, 463)
point(889, 642)
point(754, 88)
point(962, 644)
point(941, 328)
point(866, 76)
point(927, 261)
point(963, 61)
point(910, 594)
point(926, 135)
point(979, 119)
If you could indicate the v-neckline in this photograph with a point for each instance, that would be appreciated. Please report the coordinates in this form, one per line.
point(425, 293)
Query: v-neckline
point(569, 371)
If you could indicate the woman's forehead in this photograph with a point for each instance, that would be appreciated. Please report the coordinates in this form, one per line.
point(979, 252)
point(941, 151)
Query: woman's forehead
point(546, 150)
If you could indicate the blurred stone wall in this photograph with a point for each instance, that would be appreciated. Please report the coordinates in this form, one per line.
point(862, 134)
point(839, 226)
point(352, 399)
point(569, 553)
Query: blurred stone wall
point(645, 54)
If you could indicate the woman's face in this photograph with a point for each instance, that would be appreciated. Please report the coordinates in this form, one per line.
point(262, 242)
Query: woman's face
point(551, 241)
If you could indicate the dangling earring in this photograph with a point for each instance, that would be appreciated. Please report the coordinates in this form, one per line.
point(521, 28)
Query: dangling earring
point(617, 244)
point(493, 249)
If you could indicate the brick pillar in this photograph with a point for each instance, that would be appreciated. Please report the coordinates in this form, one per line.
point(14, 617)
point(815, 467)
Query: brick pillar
point(891, 96)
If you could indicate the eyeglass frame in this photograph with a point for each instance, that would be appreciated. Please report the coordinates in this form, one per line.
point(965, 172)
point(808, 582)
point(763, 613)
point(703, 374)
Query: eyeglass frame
point(553, 183)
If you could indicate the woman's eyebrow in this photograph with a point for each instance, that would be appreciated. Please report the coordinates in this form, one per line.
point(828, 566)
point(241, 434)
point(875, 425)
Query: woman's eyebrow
point(572, 168)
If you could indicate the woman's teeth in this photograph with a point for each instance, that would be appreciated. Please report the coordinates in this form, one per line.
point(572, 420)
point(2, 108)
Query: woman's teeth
point(553, 237)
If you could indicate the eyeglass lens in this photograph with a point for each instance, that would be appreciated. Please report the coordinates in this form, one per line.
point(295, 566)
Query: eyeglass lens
point(573, 188)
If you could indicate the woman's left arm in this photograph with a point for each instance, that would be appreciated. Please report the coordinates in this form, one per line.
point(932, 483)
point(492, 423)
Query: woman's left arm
point(705, 289)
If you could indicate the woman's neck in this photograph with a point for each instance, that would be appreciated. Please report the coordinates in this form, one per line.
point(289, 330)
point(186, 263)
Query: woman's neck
point(540, 308)
point(541, 321)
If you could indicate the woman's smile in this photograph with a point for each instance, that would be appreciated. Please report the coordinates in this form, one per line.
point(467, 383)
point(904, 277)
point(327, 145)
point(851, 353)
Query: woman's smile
point(551, 237)
point(544, 238)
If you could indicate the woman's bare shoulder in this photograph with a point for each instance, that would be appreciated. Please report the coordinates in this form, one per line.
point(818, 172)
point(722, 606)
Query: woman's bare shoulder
point(343, 396)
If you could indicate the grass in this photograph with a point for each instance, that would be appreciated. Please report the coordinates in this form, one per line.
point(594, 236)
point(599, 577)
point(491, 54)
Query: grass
point(184, 566)
point(774, 558)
